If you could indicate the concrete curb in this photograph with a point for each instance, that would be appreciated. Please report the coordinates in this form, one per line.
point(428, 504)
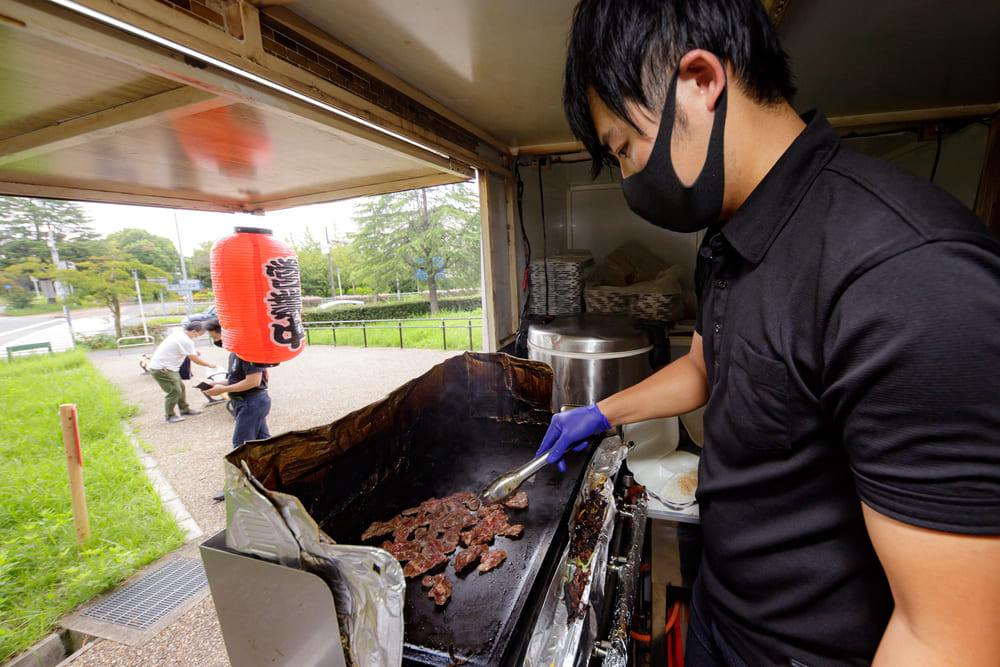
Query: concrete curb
point(52, 650)
point(171, 501)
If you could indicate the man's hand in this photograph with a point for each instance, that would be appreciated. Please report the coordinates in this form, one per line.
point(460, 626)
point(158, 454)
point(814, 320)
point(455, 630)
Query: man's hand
point(569, 428)
point(217, 389)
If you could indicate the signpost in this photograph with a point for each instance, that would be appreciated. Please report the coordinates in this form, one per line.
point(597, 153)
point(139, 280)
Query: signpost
point(422, 275)
point(138, 294)
point(162, 282)
point(188, 301)
point(185, 286)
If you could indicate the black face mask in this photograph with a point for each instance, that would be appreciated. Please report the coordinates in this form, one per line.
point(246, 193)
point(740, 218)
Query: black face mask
point(217, 343)
point(658, 196)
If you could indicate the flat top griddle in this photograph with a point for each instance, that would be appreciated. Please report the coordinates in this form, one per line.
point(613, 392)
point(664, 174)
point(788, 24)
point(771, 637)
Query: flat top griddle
point(453, 429)
point(478, 623)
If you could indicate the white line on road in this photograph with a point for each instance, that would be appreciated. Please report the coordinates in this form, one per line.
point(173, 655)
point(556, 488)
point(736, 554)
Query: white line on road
point(30, 326)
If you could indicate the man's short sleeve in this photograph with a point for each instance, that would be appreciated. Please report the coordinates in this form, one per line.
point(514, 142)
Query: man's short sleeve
point(912, 380)
point(186, 345)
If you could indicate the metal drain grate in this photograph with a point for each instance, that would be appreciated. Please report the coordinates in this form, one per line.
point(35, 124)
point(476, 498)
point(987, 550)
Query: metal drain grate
point(145, 602)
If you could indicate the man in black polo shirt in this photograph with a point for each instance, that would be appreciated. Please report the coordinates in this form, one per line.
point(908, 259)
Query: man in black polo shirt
point(846, 349)
point(246, 384)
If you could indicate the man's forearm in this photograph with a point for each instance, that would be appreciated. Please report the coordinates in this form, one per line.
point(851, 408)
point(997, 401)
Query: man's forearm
point(247, 383)
point(196, 358)
point(676, 389)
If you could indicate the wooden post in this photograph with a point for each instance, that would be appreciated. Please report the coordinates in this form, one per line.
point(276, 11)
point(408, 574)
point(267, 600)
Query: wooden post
point(74, 465)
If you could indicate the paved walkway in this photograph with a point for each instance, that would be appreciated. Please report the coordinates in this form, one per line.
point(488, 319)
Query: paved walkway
point(317, 387)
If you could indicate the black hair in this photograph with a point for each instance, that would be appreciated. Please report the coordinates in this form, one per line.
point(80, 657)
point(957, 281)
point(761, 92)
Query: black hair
point(196, 325)
point(626, 50)
point(213, 325)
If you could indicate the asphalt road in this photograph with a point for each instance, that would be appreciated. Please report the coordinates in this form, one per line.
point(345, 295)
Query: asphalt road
point(53, 328)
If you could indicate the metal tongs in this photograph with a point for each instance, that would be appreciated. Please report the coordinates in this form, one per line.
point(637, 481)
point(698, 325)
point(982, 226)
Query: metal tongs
point(506, 484)
point(503, 486)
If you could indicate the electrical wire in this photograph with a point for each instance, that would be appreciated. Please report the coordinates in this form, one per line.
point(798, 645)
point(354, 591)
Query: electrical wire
point(545, 241)
point(519, 338)
point(671, 630)
point(671, 621)
point(519, 189)
point(556, 158)
point(937, 153)
point(988, 122)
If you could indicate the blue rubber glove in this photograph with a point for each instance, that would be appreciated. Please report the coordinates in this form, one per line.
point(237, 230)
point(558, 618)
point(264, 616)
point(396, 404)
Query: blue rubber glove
point(569, 428)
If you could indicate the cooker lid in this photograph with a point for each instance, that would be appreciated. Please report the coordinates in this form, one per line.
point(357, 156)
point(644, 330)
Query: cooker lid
point(588, 333)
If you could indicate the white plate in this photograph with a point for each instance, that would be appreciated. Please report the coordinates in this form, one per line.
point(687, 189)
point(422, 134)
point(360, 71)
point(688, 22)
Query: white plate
point(661, 435)
point(661, 473)
point(694, 424)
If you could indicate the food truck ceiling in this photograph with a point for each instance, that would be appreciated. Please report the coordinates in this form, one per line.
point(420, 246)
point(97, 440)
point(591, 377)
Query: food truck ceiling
point(232, 106)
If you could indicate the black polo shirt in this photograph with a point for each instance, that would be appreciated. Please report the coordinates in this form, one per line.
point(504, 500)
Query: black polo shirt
point(850, 314)
point(239, 370)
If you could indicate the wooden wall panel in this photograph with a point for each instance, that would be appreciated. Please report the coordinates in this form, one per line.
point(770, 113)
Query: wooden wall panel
point(988, 199)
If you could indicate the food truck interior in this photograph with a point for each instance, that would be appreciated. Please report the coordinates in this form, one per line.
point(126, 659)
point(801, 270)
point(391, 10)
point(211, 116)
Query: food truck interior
point(255, 106)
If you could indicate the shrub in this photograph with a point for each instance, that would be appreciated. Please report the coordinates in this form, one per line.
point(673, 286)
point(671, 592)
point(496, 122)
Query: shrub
point(101, 341)
point(391, 309)
point(311, 301)
point(108, 341)
point(20, 298)
point(157, 330)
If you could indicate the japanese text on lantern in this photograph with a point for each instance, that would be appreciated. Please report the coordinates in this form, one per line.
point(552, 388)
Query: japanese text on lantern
point(284, 301)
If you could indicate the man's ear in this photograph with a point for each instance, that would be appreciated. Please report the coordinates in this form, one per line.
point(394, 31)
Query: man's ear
point(704, 70)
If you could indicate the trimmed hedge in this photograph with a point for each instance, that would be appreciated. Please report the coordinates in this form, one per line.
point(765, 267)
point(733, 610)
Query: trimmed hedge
point(391, 309)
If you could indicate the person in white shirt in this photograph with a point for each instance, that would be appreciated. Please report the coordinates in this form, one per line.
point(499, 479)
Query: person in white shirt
point(165, 364)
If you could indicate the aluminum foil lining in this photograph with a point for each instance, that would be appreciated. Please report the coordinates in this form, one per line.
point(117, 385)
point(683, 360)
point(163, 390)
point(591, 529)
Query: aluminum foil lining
point(367, 584)
point(616, 652)
point(556, 639)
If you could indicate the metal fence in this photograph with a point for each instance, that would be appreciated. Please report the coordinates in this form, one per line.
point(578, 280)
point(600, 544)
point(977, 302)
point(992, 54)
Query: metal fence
point(400, 325)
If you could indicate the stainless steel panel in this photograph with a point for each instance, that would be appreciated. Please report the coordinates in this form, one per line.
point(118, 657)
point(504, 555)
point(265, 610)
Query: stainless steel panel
point(271, 614)
point(589, 334)
point(592, 356)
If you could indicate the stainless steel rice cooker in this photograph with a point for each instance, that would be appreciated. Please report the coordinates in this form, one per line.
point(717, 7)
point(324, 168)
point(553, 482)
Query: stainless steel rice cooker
point(592, 356)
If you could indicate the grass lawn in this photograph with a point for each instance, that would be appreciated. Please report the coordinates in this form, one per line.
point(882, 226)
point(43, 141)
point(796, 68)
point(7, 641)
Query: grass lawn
point(43, 307)
point(44, 572)
point(417, 332)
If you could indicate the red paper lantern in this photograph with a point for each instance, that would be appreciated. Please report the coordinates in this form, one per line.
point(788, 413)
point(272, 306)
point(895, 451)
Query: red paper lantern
point(258, 295)
point(232, 139)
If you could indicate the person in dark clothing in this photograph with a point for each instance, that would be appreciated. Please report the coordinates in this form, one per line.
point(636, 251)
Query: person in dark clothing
point(845, 351)
point(246, 385)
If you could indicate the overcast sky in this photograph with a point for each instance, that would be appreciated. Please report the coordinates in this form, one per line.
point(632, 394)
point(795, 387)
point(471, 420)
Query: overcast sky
point(196, 227)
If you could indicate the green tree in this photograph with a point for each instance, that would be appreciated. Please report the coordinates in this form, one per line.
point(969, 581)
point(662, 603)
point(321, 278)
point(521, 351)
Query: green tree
point(432, 232)
point(199, 264)
point(314, 270)
point(79, 250)
point(346, 274)
point(19, 277)
point(147, 248)
point(25, 225)
point(111, 280)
